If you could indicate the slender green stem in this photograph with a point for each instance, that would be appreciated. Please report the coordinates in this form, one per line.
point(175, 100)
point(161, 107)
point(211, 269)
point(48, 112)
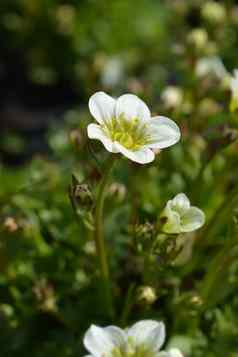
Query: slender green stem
point(98, 232)
point(128, 305)
point(99, 235)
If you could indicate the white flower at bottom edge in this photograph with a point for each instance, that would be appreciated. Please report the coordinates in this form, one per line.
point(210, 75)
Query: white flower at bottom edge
point(125, 126)
point(234, 91)
point(143, 339)
point(181, 217)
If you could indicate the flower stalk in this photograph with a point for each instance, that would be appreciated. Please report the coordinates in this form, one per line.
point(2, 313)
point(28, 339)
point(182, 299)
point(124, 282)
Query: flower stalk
point(98, 231)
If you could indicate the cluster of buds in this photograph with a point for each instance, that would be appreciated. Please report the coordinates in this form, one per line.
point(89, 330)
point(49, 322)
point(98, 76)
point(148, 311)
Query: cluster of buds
point(144, 234)
point(45, 295)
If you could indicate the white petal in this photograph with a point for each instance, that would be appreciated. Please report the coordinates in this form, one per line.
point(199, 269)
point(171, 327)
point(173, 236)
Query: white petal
point(96, 132)
point(181, 202)
point(142, 156)
point(149, 333)
point(132, 107)
point(173, 223)
point(102, 106)
point(97, 341)
point(174, 352)
point(117, 335)
point(163, 131)
point(193, 219)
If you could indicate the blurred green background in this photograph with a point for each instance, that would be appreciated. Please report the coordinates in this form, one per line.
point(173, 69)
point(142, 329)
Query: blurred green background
point(177, 56)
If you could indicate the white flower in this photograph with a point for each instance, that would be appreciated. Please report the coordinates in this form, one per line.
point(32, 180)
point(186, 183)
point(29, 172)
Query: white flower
point(143, 339)
point(234, 91)
point(125, 126)
point(181, 217)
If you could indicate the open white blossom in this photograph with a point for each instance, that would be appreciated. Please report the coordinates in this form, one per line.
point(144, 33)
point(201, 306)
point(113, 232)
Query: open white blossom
point(234, 91)
point(125, 126)
point(143, 339)
point(181, 217)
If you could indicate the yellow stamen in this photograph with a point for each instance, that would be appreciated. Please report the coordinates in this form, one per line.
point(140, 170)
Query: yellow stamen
point(130, 133)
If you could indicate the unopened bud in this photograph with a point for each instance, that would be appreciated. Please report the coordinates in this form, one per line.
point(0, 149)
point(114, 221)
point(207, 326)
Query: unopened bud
point(208, 107)
point(81, 199)
point(118, 191)
point(196, 300)
point(147, 295)
point(214, 12)
point(90, 248)
point(198, 38)
point(80, 193)
point(76, 138)
point(10, 224)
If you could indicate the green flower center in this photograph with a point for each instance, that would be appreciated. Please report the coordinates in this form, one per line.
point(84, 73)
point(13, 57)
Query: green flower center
point(130, 133)
point(139, 351)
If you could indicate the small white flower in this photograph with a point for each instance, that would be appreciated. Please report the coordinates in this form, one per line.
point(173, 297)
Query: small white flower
point(181, 217)
point(234, 91)
point(125, 126)
point(143, 339)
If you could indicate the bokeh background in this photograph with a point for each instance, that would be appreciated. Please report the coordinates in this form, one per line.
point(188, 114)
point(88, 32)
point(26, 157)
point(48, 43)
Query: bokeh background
point(177, 55)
